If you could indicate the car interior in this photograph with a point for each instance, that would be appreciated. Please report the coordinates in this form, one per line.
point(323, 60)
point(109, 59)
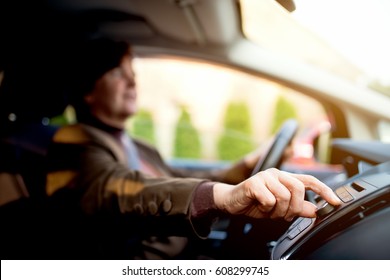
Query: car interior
point(350, 156)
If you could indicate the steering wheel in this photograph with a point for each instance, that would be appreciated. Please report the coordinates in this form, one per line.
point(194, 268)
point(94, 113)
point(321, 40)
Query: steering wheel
point(248, 231)
point(274, 155)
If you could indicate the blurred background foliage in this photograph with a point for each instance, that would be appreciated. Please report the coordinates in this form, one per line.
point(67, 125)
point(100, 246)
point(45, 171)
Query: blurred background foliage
point(187, 141)
point(143, 126)
point(284, 110)
point(236, 139)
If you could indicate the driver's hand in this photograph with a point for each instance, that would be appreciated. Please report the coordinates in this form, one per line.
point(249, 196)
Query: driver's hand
point(272, 194)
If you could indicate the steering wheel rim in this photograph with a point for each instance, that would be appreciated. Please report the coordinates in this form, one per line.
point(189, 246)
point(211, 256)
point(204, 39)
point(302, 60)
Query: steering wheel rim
point(274, 154)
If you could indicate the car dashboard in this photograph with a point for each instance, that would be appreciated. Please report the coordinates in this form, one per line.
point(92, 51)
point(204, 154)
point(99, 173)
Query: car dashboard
point(357, 155)
point(357, 229)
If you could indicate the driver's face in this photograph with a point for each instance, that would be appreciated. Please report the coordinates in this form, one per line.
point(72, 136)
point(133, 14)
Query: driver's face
point(113, 98)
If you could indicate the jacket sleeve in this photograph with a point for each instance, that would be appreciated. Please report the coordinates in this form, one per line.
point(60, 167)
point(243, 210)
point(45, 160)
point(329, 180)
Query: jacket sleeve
point(90, 174)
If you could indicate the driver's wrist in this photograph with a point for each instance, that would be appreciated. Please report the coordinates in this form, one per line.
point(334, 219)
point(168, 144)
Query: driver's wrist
point(220, 192)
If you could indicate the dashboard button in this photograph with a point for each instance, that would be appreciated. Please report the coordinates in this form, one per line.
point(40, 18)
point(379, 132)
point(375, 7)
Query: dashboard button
point(292, 234)
point(325, 209)
point(304, 224)
point(344, 195)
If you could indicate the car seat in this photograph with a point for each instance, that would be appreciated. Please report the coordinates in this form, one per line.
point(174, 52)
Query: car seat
point(22, 188)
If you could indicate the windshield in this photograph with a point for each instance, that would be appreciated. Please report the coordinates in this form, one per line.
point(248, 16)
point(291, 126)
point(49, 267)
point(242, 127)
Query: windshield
point(347, 37)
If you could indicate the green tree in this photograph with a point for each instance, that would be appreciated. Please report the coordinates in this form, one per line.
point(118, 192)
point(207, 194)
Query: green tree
point(143, 126)
point(284, 110)
point(236, 139)
point(187, 142)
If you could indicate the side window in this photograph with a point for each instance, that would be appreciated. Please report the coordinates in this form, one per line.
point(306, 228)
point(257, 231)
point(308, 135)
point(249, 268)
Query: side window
point(198, 111)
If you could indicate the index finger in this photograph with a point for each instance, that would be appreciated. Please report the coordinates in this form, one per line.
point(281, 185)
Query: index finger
point(319, 188)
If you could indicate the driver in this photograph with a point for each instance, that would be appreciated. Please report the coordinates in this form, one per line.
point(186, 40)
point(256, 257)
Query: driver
point(112, 196)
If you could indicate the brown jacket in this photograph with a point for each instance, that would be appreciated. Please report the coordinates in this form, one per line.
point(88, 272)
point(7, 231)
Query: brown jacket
point(88, 175)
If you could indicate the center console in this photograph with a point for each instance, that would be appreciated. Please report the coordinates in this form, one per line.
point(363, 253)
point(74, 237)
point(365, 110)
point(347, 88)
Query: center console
point(357, 229)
